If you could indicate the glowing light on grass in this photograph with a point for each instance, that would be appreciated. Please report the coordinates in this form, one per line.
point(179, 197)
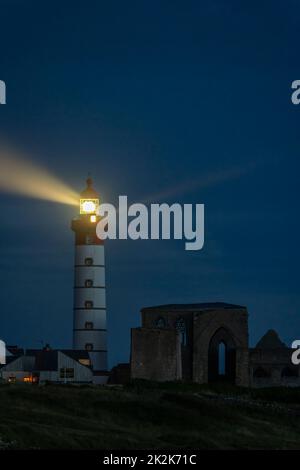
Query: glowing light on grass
point(20, 176)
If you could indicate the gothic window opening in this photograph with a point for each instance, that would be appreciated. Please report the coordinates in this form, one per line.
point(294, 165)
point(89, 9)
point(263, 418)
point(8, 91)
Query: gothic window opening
point(160, 322)
point(181, 328)
point(221, 359)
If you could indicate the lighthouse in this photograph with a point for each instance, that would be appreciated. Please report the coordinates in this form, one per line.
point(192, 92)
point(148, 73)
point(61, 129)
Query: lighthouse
point(89, 318)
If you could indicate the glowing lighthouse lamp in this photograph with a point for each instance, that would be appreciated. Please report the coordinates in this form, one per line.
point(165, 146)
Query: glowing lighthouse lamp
point(89, 206)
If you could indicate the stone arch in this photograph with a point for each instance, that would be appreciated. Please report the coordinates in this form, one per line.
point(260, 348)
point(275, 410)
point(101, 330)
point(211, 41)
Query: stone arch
point(261, 373)
point(222, 336)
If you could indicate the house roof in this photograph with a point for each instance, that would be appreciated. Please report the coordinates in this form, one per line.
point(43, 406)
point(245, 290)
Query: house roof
point(270, 340)
point(9, 360)
point(15, 350)
point(193, 307)
point(76, 354)
point(48, 359)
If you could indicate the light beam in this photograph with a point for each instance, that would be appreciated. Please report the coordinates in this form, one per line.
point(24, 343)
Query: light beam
point(18, 175)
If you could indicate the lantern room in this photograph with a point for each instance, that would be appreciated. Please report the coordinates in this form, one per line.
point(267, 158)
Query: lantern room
point(89, 199)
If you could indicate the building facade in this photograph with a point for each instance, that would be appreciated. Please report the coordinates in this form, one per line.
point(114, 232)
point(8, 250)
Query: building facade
point(39, 366)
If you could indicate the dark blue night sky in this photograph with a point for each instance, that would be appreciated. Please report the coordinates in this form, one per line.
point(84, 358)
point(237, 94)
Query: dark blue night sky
point(185, 99)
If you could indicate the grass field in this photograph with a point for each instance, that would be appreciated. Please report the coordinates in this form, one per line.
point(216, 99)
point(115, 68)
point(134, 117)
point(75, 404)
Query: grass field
point(148, 416)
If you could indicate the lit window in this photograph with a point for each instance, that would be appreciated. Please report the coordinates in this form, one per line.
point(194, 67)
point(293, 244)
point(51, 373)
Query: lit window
point(89, 261)
point(88, 304)
point(89, 325)
point(88, 283)
point(27, 379)
point(89, 347)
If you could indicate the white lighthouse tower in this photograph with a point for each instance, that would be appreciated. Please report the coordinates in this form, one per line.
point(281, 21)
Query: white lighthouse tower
point(89, 324)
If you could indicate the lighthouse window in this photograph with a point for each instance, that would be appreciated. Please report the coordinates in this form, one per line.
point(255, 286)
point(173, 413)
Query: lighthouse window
point(89, 261)
point(88, 304)
point(89, 325)
point(89, 239)
point(89, 283)
point(89, 347)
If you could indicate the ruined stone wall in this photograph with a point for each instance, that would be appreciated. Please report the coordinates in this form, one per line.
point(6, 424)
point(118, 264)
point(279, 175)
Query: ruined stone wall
point(149, 320)
point(273, 368)
point(155, 354)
